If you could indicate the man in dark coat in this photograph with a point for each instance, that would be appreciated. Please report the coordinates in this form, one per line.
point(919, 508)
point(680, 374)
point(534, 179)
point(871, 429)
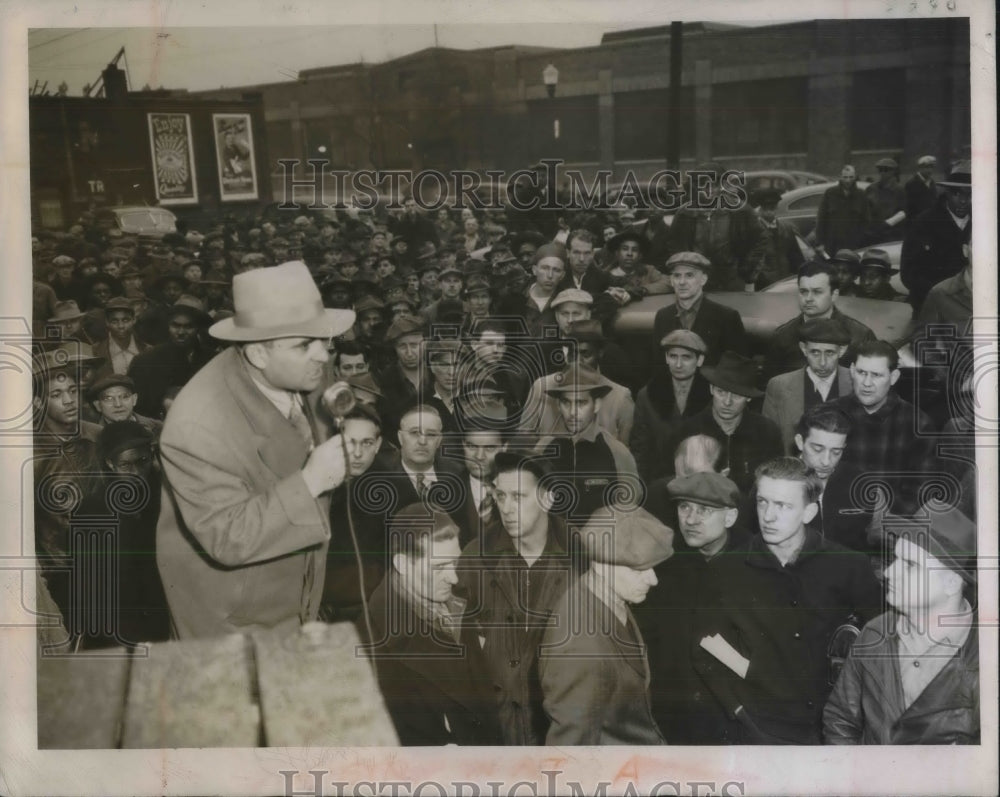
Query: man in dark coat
point(888, 203)
point(764, 639)
point(921, 189)
point(173, 363)
point(720, 327)
point(513, 576)
point(428, 659)
point(414, 227)
point(670, 396)
point(913, 675)
point(730, 238)
point(782, 256)
point(817, 293)
point(844, 215)
point(707, 514)
point(932, 248)
point(747, 438)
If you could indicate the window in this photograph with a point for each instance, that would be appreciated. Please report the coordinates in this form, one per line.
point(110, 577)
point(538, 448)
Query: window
point(760, 117)
point(878, 109)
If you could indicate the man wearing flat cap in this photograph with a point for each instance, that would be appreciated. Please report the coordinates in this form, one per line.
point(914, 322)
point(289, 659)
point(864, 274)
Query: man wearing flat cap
point(718, 326)
point(932, 247)
point(679, 391)
point(588, 455)
point(534, 305)
point(822, 342)
point(244, 529)
point(921, 189)
point(592, 662)
point(114, 398)
point(747, 438)
point(913, 674)
point(888, 202)
point(707, 517)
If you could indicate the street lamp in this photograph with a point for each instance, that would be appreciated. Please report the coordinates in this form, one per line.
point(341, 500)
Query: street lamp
point(550, 77)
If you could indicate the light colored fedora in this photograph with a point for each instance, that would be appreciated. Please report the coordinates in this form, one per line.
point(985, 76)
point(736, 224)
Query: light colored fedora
point(279, 302)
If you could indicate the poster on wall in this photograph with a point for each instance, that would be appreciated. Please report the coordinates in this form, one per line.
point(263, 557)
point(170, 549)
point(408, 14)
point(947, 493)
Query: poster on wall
point(173, 159)
point(234, 153)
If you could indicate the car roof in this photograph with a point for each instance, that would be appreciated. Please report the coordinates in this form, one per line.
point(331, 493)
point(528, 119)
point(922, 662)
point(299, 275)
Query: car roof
point(764, 312)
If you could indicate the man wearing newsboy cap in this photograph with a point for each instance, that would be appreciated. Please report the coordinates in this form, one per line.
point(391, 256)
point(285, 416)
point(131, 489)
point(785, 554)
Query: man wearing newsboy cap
point(913, 674)
point(243, 532)
point(592, 661)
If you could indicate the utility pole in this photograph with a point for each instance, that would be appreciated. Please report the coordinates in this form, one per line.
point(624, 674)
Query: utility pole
point(674, 119)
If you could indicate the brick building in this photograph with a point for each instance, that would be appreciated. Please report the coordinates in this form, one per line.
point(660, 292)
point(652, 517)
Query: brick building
point(808, 95)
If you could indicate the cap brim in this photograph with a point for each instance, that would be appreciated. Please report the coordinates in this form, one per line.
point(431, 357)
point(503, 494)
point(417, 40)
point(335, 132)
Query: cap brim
point(329, 324)
point(732, 387)
point(597, 391)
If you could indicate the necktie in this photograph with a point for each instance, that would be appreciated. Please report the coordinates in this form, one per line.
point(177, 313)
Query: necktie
point(487, 504)
point(422, 486)
point(301, 424)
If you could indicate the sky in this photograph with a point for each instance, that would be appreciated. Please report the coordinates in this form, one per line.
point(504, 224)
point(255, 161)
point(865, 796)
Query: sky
point(206, 58)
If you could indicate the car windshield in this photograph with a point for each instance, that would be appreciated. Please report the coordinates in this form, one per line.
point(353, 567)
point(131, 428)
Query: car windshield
point(146, 220)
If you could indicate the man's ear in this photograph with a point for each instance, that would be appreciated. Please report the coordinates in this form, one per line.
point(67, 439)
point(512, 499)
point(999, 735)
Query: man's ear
point(254, 352)
point(597, 404)
point(97, 406)
point(841, 350)
point(800, 444)
point(730, 517)
point(546, 500)
point(810, 512)
point(894, 377)
point(802, 348)
point(700, 361)
point(398, 562)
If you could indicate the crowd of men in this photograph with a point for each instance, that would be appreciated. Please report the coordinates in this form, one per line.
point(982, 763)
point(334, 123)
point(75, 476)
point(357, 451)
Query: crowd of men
point(426, 426)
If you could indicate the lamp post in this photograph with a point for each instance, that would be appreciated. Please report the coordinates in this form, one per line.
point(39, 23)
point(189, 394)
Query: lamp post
point(550, 77)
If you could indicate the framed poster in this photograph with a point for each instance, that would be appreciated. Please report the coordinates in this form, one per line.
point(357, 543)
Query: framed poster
point(173, 159)
point(234, 153)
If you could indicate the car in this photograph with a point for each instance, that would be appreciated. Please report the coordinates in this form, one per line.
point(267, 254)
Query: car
point(783, 180)
point(140, 220)
point(800, 206)
point(892, 248)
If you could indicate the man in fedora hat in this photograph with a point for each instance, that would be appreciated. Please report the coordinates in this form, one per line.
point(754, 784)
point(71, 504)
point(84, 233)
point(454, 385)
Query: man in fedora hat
point(932, 247)
point(822, 342)
point(747, 438)
point(774, 609)
point(592, 665)
point(586, 454)
point(672, 394)
point(876, 269)
point(913, 674)
point(173, 363)
point(921, 189)
point(243, 533)
point(718, 326)
point(846, 264)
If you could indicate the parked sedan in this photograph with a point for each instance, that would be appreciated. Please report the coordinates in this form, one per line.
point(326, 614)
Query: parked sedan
point(146, 222)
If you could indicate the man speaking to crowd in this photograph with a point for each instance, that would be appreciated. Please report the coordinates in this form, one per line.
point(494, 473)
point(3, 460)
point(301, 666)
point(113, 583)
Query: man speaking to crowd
point(243, 533)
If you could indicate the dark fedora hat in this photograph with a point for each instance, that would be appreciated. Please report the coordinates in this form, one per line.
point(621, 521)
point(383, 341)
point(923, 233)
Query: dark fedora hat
point(628, 234)
point(960, 176)
point(878, 258)
point(734, 373)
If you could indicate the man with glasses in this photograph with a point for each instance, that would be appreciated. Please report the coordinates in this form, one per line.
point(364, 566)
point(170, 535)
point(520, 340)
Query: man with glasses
point(114, 398)
point(244, 526)
point(932, 248)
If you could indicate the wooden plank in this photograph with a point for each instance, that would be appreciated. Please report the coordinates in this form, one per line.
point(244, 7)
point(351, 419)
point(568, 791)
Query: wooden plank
point(195, 693)
point(316, 690)
point(81, 700)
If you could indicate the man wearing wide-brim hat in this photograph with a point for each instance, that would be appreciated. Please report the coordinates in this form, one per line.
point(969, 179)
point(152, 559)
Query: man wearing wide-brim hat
point(592, 662)
point(629, 271)
point(932, 247)
point(589, 455)
point(247, 465)
point(847, 265)
point(747, 438)
point(876, 269)
point(913, 674)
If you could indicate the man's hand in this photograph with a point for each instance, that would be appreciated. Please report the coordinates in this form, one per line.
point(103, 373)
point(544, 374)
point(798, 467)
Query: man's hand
point(326, 468)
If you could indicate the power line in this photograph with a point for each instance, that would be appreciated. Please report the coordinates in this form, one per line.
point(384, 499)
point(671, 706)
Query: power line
point(116, 32)
point(58, 38)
